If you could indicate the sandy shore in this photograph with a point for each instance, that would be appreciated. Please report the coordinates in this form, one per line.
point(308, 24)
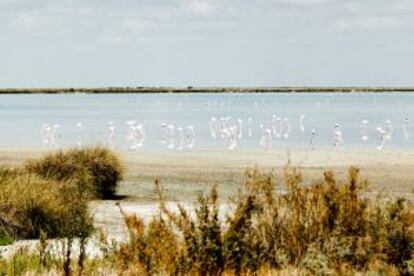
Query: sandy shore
point(193, 172)
point(185, 174)
point(190, 172)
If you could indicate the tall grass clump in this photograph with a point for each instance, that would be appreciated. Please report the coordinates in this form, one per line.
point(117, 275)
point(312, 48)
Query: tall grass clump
point(328, 227)
point(31, 205)
point(96, 169)
point(50, 195)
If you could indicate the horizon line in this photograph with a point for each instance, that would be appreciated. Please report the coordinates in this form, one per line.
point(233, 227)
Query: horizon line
point(204, 89)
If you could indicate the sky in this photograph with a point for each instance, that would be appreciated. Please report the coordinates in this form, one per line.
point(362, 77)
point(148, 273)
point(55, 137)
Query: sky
point(88, 43)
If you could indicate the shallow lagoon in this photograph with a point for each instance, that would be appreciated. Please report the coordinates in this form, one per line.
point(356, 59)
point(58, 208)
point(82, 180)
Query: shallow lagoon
point(22, 117)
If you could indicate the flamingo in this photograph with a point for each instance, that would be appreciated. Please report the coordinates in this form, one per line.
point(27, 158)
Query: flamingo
point(45, 134)
point(262, 137)
point(140, 136)
point(389, 129)
point(223, 127)
point(79, 125)
point(55, 127)
point(181, 138)
point(405, 128)
point(164, 132)
point(337, 137)
point(230, 130)
point(274, 123)
point(190, 136)
point(111, 134)
point(130, 131)
point(239, 129)
point(301, 123)
point(266, 138)
point(213, 127)
point(135, 134)
point(382, 136)
point(313, 138)
point(278, 128)
point(287, 128)
point(249, 127)
point(132, 134)
point(170, 136)
point(363, 130)
point(232, 137)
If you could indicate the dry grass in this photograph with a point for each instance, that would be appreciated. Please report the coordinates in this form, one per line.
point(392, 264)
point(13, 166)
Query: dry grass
point(95, 169)
point(50, 195)
point(31, 205)
point(48, 198)
point(329, 227)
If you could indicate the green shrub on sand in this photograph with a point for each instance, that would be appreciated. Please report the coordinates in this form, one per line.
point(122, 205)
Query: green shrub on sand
point(96, 169)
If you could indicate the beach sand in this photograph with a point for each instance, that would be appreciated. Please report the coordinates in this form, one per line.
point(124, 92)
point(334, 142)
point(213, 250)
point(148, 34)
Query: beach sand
point(185, 174)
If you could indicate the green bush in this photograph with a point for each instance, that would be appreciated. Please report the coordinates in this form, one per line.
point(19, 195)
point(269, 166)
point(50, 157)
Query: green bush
point(5, 239)
point(96, 169)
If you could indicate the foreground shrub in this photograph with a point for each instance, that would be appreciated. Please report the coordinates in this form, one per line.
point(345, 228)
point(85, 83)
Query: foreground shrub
point(96, 169)
point(329, 227)
point(31, 205)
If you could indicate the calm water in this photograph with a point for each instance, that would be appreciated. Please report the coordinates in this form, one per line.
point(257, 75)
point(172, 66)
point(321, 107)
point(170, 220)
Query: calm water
point(22, 117)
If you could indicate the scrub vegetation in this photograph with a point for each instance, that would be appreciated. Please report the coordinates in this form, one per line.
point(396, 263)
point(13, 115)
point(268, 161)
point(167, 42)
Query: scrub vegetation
point(95, 169)
point(282, 227)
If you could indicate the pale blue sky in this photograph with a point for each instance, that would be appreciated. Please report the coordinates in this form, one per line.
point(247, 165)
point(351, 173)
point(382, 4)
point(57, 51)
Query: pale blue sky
point(46, 43)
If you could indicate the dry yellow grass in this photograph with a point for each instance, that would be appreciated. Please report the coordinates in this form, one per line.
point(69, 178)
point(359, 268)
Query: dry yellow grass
point(50, 195)
point(328, 227)
point(31, 205)
point(94, 168)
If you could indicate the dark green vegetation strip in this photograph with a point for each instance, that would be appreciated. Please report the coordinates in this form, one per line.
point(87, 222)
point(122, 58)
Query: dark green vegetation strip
point(190, 89)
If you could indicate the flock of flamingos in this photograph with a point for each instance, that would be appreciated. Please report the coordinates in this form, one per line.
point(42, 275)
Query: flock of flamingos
point(230, 132)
